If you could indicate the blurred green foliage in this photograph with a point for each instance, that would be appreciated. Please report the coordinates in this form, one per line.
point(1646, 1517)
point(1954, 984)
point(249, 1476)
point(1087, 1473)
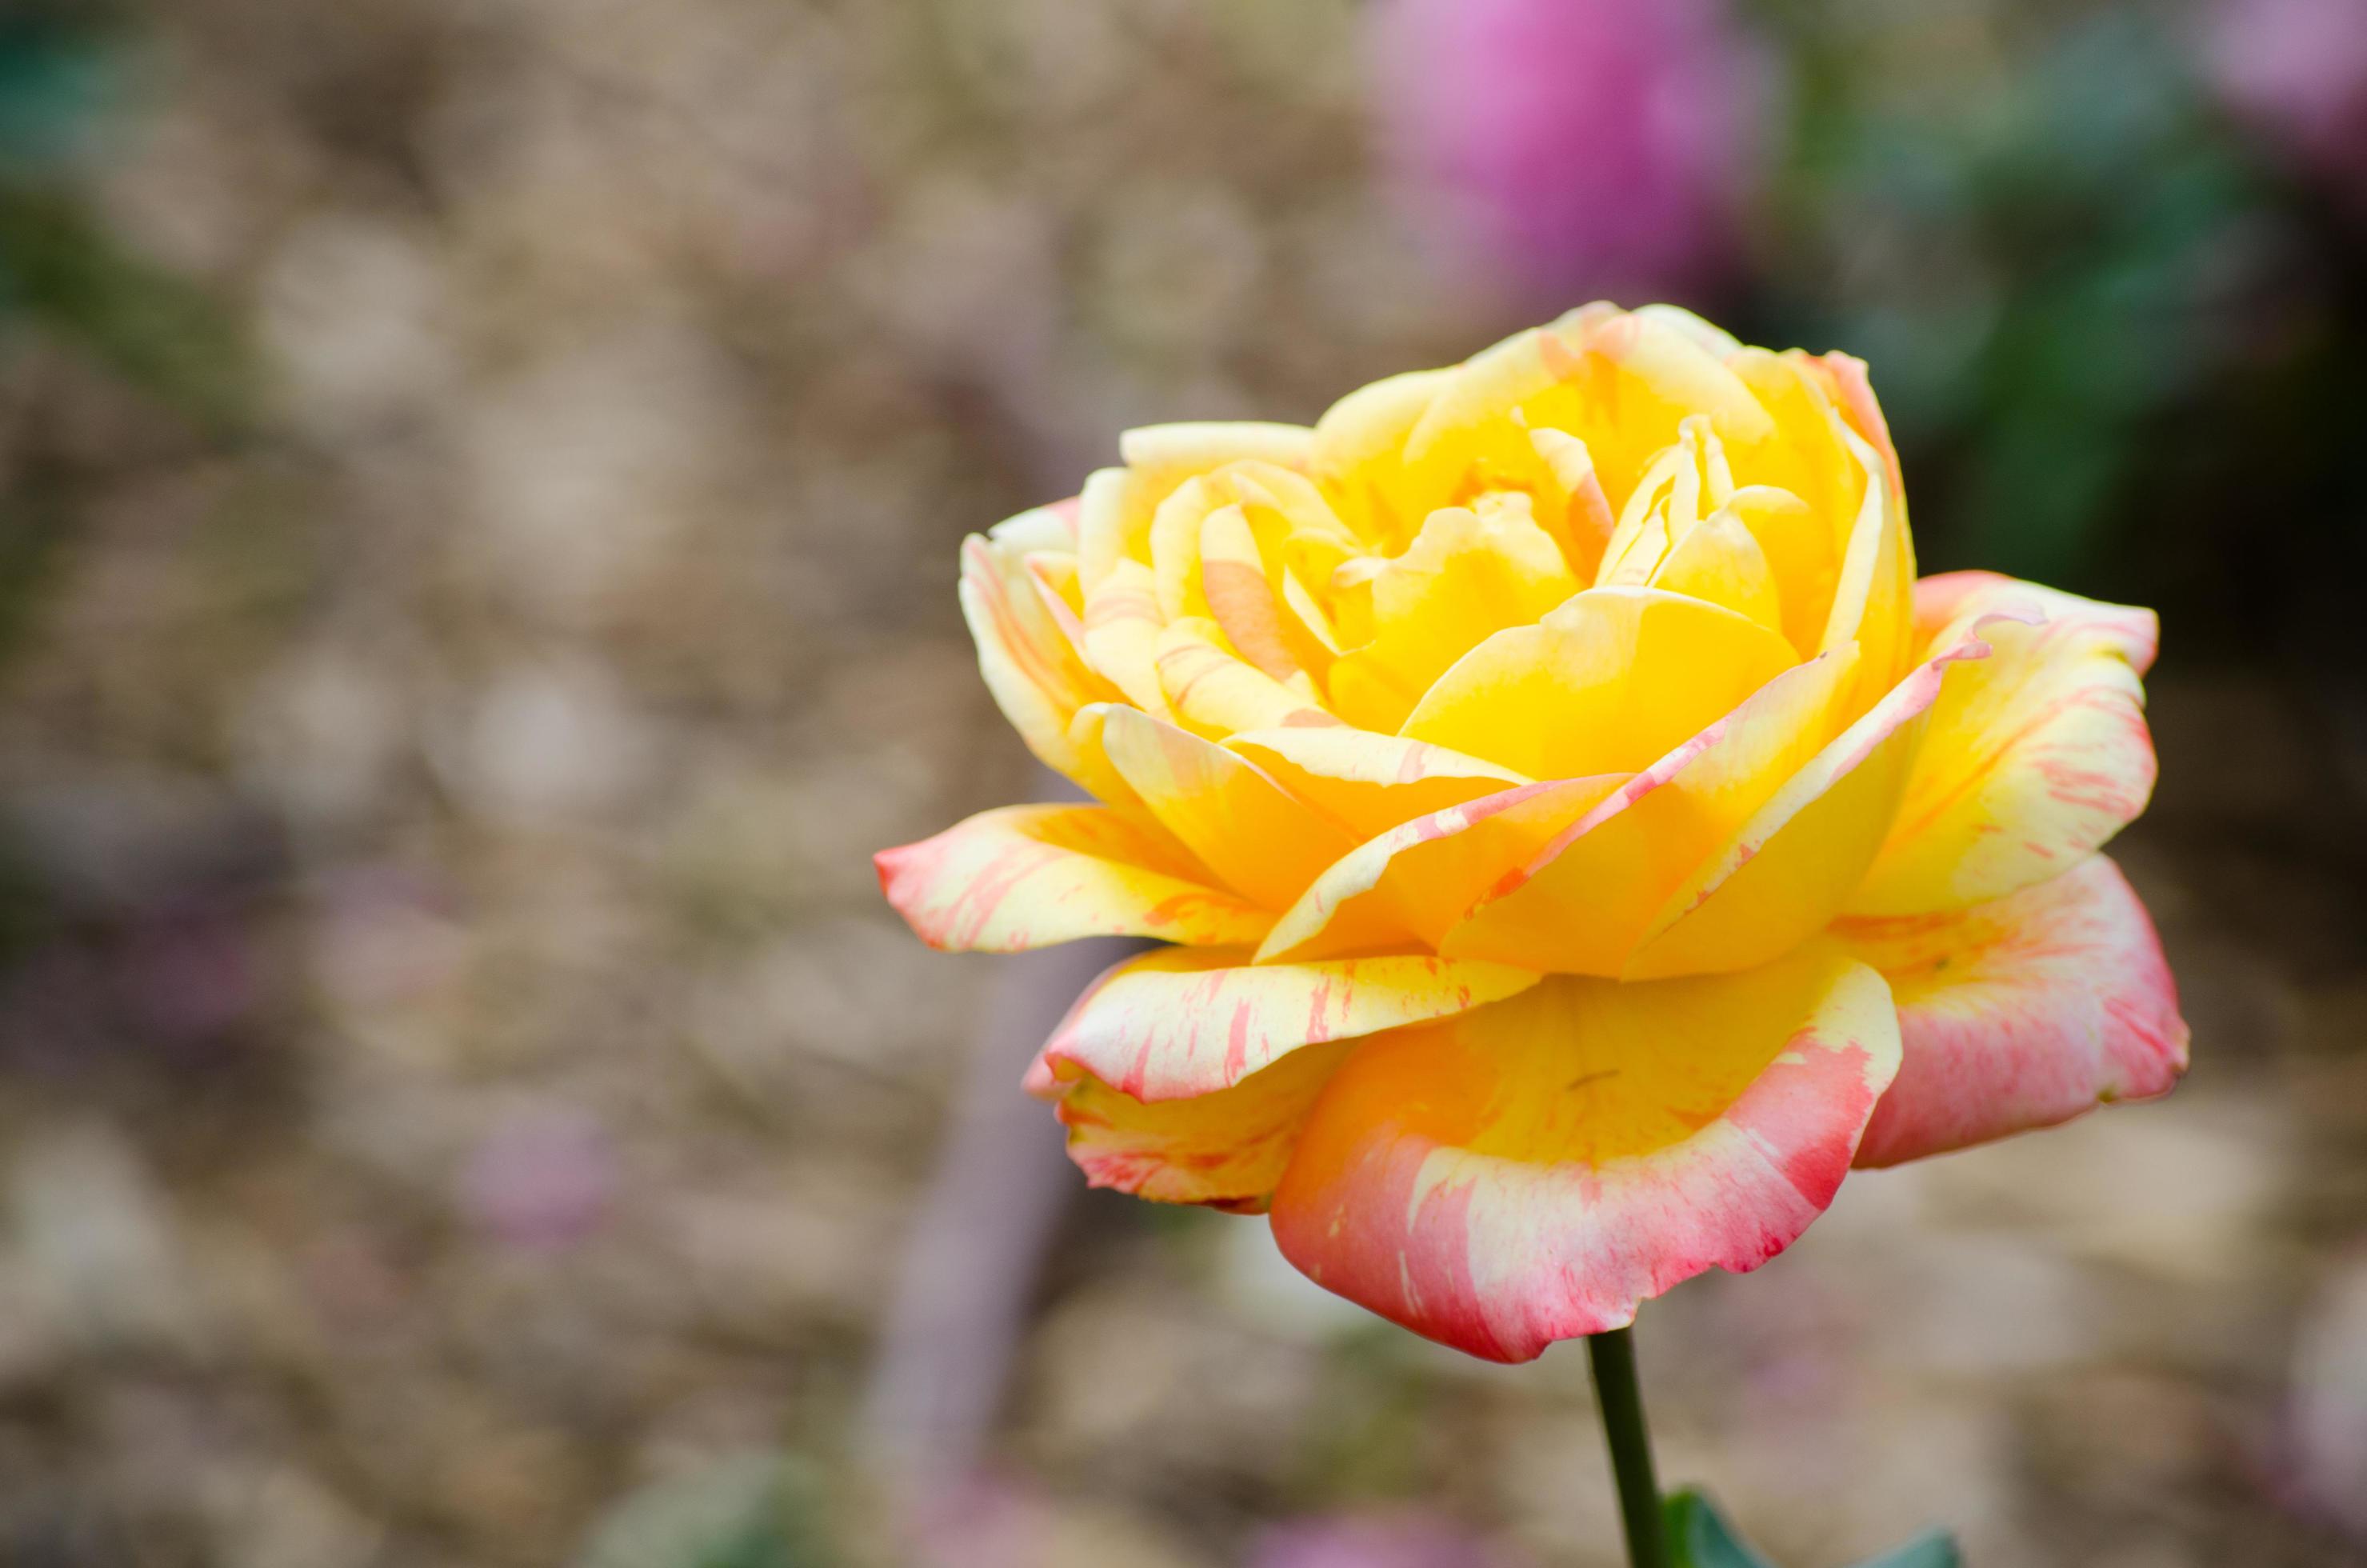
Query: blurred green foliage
point(63, 272)
point(2040, 269)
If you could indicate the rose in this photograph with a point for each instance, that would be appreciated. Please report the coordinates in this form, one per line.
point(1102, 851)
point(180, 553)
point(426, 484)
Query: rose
point(1579, 834)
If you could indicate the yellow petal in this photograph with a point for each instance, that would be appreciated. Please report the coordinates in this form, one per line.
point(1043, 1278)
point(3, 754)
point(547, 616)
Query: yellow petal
point(1165, 455)
point(1113, 522)
point(1121, 638)
point(1023, 877)
point(1802, 554)
point(1036, 675)
point(1175, 548)
point(1874, 598)
point(1116, 507)
point(1808, 453)
point(1605, 684)
point(1587, 518)
point(1371, 782)
point(1624, 383)
point(1227, 1150)
point(1215, 695)
point(1467, 574)
point(2035, 756)
point(1587, 898)
point(1255, 836)
point(1179, 1023)
point(1410, 885)
point(1788, 870)
point(1359, 456)
point(1719, 561)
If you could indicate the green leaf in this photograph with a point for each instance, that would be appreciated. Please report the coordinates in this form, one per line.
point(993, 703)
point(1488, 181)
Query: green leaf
point(1935, 1550)
point(1700, 1536)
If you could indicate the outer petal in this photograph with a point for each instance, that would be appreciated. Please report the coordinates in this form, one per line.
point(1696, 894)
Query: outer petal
point(2021, 1013)
point(1036, 675)
point(2035, 758)
point(1227, 1149)
point(1022, 877)
point(1790, 868)
point(1175, 1024)
point(1534, 1170)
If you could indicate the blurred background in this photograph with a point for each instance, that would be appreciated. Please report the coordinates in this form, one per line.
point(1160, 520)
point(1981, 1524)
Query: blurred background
point(479, 488)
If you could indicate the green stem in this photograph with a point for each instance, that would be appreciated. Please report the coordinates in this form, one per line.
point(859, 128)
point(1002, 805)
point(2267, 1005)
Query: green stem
point(1621, 1397)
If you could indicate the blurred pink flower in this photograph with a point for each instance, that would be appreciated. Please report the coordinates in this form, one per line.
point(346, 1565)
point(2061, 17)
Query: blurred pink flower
point(2296, 70)
point(1574, 148)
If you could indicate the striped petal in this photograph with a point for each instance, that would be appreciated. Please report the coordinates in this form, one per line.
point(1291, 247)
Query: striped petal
point(1533, 1170)
point(1177, 1023)
point(1411, 884)
point(1589, 894)
point(1227, 1150)
point(2021, 1013)
point(1022, 877)
point(1789, 869)
point(2034, 760)
point(1215, 695)
point(1036, 674)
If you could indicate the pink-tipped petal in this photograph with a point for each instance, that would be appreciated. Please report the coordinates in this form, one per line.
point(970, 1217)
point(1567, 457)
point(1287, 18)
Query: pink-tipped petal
point(2021, 1013)
point(1176, 1023)
point(1533, 1170)
point(1022, 877)
point(2033, 760)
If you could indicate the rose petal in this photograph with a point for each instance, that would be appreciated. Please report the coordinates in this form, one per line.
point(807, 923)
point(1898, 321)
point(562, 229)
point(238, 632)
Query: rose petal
point(1604, 684)
point(1227, 1149)
point(1178, 1023)
point(1369, 781)
point(1467, 576)
point(2035, 758)
point(1789, 869)
point(1217, 695)
point(1037, 677)
point(1412, 883)
point(1255, 836)
point(1530, 1171)
point(1587, 898)
point(1022, 877)
point(2021, 1013)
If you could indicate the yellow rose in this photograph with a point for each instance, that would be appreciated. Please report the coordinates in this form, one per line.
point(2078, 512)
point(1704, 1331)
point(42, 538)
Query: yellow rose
point(1580, 835)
